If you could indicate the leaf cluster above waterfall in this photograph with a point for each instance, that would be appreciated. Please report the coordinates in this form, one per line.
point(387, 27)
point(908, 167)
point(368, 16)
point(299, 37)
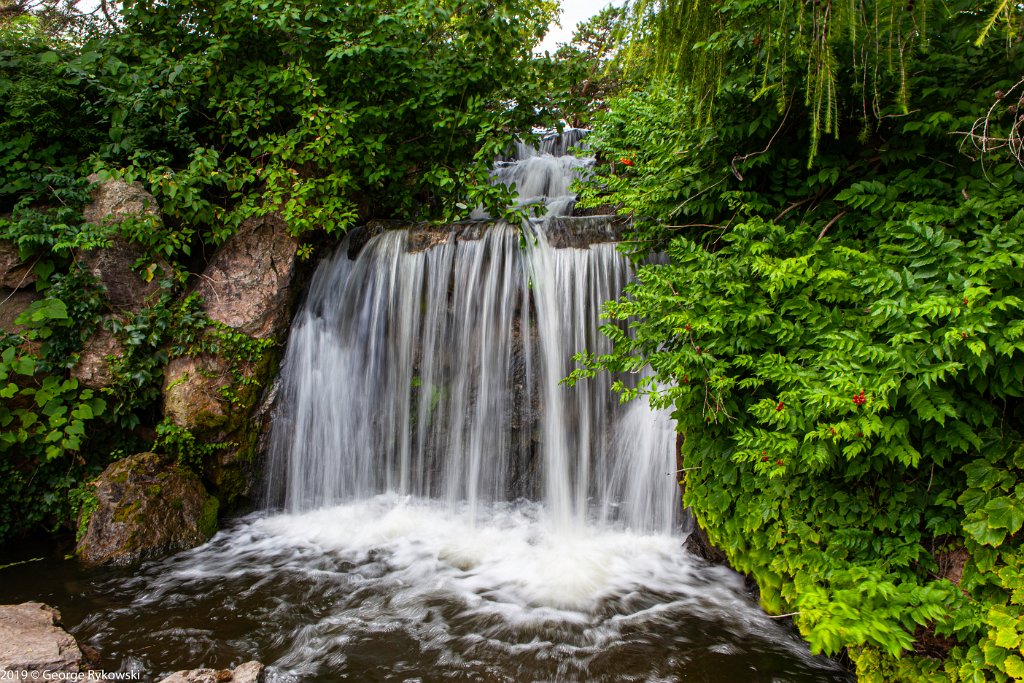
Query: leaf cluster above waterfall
point(842, 347)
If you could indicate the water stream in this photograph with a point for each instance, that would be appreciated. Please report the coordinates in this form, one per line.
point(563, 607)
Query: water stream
point(438, 505)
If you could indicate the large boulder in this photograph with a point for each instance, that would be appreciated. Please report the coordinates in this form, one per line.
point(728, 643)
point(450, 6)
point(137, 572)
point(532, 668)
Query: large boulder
point(114, 267)
point(32, 642)
point(248, 288)
point(250, 672)
point(145, 507)
point(247, 285)
point(113, 202)
point(93, 369)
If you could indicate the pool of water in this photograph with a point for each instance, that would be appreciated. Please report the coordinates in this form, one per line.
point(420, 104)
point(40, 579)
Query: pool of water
point(404, 589)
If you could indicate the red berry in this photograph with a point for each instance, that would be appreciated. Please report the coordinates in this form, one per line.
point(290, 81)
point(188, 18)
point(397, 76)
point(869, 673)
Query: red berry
point(686, 379)
point(780, 406)
point(687, 328)
point(832, 431)
point(779, 463)
point(764, 459)
point(965, 301)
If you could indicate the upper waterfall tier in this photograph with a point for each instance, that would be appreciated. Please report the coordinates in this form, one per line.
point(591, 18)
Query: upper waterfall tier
point(543, 175)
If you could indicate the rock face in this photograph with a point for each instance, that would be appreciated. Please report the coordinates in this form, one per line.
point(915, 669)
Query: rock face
point(93, 368)
point(127, 291)
point(12, 304)
point(31, 640)
point(114, 267)
point(14, 273)
point(247, 287)
point(113, 202)
point(250, 672)
point(146, 507)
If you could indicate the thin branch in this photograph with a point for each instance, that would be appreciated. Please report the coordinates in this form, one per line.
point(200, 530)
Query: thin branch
point(832, 222)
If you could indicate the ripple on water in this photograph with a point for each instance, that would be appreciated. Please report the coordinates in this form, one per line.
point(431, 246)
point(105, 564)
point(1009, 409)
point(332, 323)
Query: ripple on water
point(396, 589)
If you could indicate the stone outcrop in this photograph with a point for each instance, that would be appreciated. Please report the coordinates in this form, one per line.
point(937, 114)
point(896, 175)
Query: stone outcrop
point(31, 640)
point(145, 507)
point(248, 287)
point(114, 267)
point(14, 273)
point(93, 368)
point(13, 303)
point(250, 672)
point(115, 201)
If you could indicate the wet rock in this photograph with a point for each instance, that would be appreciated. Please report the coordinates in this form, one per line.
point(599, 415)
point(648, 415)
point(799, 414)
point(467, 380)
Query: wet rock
point(146, 507)
point(250, 672)
point(247, 285)
point(14, 273)
point(579, 232)
point(93, 368)
point(31, 640)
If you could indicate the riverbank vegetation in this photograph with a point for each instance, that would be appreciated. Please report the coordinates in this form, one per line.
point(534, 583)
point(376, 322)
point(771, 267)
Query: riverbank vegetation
point(327, 115)
point(838, 187)
point(839, 327)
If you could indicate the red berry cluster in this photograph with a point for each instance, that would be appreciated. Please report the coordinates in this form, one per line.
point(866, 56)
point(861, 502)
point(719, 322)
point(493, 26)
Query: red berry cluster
point(780, 406)
point(859, 399)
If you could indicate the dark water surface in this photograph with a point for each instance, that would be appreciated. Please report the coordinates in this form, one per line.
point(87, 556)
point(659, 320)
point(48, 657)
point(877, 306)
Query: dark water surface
point(395, 589)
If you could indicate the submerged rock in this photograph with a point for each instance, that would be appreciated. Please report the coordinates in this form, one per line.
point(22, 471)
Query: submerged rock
point(31, 640)
point(250, 672)
point(145, 507)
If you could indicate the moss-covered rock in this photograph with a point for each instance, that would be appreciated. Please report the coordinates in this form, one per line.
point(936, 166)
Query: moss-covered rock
point(145, 507)
point(248, 293)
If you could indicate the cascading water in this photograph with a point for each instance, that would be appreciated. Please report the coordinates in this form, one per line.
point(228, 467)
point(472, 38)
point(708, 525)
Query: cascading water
point(436, 373)
point(440, 507)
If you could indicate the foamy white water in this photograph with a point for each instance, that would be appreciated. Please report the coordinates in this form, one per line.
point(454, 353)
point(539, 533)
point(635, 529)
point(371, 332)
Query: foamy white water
point(402, 588)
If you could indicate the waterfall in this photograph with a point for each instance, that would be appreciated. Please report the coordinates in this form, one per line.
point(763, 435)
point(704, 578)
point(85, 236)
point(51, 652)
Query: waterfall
point(440, 506)
point(429, 364)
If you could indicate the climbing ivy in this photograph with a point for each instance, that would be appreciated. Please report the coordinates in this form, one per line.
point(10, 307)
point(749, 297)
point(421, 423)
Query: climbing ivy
point(841, 347)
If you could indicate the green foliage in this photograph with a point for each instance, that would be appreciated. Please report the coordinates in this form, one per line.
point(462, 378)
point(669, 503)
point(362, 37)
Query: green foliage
point(844, 57)
point(325, 113)
point(842, 347)
point(182, 445)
